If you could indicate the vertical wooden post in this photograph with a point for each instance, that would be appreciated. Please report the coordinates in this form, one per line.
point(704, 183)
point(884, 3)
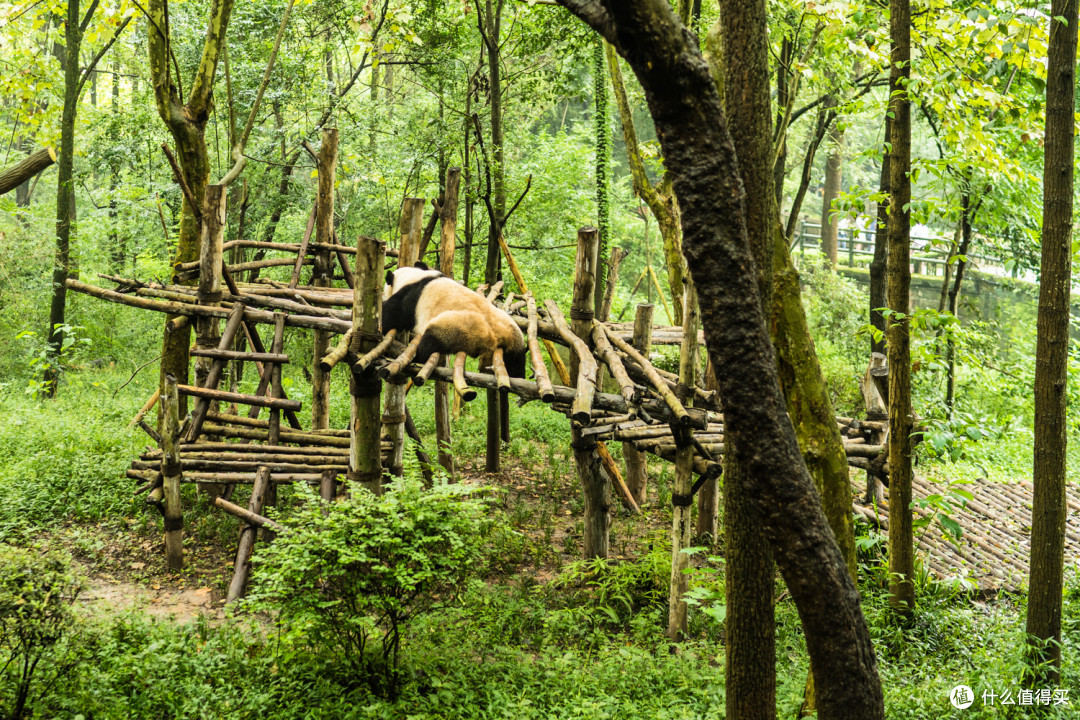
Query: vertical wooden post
point(365, 459)
point(172, 474)
point(242, 567)
point(207, 329)
point(595, 484)
point(681, 495)
point(412, 230)
point(637, 469)
point(274, 430)
point(322, 273)
point(709, 495)
point(448, 229)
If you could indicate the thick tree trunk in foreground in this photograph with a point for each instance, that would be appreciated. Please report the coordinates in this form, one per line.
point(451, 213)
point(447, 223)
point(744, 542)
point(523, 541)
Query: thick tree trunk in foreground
point(1051, 353)
point(697, 147)
point(750, 577)
point(901, 540)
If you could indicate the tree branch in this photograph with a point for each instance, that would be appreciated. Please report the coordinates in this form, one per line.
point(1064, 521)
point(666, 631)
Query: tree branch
point(238, 148)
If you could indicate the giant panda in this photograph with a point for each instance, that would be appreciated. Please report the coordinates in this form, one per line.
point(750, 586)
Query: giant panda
point(451, 317)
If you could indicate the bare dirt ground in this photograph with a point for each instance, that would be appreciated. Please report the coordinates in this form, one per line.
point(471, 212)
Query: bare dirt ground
point(125, 566)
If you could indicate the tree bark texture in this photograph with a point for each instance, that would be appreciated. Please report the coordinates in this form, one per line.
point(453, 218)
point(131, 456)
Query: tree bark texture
point(1051, 351)
point(751, 657)
point(65, 196)
point(699, 150)
point(322, 274)
point(901, 539)
point(603, 161)
point(186, 122)
point(660, 198)
point(24, 170)
point(830, 235)
point(879, 264)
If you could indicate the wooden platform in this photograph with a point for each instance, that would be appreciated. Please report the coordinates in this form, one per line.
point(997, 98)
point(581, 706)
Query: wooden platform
point(995, 545)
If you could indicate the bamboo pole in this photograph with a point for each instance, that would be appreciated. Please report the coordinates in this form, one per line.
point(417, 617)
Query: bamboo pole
point(393, 370)
point(498, 366)
point(365, 388)
point(261, 435)
point(411, 226)
point(425, 373)
point(637, 465)
point(242, 566)
point(226, 396)
point(179, 308)
point(172, 474)
point(659, 384)
point(539, 368)
point(238, 355)
point(595, 486)
point(617, 256)
point(213, 377)
point(321, 274)
point(375, 353)
point(147, 406)
point(338, 354)
point(582, 362)
point(611, 358)
point(682, 490)
point(447, 241)
point(462, 389)
point(556, 359)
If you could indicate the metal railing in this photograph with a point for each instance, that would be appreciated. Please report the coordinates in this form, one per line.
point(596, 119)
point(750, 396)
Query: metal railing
point(857, 246)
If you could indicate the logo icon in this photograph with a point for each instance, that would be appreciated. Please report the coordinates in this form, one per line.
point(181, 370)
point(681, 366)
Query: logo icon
point(961, 697)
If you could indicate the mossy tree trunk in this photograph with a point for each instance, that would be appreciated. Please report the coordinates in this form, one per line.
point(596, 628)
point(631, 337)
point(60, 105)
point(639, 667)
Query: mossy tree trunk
point(701, 155)
point(186, 122)
point(660, 197)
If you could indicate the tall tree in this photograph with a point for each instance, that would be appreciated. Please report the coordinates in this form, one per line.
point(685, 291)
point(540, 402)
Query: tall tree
point(901, 541)
point(879, 263)
point(186, 122)
point(1052, 345)
point(834, 168)
point(751, 637)
point(74, 81)
point(603, 160)
point(698, 148)
point(659, 197)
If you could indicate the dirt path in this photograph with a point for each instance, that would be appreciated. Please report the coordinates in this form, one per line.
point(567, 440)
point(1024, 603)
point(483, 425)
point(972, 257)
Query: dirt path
point(107, 595)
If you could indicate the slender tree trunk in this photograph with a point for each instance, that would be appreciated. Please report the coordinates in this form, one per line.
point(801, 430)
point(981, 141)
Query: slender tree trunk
point(879, 264)
point(1051, 353)
point(830, 228)
point(901, 541)
point(751, 656)
point(783, 89)
point(65, 196)
point(660, 199)
point(954, 298)
point(603, 156)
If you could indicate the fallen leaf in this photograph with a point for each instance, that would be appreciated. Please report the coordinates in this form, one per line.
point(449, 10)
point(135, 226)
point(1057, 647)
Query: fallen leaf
point(202, 591)
point(137, 565)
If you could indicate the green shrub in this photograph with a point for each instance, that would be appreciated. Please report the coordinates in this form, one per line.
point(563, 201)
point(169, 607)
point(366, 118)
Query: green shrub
point(36, 594)
point(349, 572)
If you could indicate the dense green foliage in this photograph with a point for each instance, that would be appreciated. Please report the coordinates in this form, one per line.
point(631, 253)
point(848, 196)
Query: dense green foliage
point(348, 573)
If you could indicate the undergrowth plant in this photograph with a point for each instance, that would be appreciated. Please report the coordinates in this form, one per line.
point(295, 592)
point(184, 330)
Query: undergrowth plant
point(37, 590)
point(348, 575)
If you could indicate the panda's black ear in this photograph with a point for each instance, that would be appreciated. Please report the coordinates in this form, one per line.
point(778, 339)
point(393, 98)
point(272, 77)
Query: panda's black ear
point(421, 265)
point(389, 277)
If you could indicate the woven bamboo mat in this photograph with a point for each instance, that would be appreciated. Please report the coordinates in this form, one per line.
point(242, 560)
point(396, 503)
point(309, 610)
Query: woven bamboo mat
point(993, 549)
